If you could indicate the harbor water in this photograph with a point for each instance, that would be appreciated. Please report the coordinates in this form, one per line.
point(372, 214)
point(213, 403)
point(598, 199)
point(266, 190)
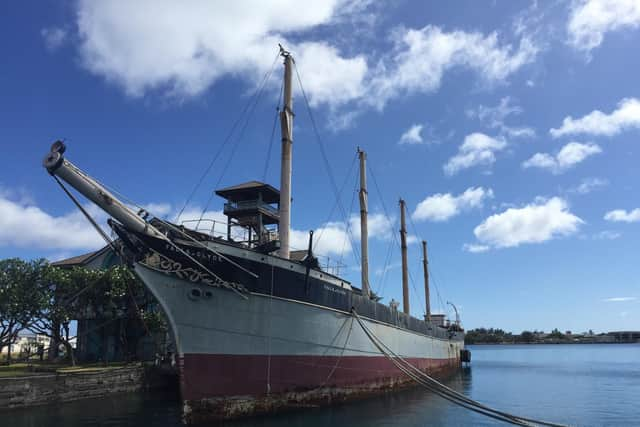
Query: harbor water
point(580, 385)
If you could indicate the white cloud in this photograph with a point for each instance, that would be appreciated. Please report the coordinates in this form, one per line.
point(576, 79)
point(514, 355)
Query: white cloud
point(621, 215)
point(421, 57)
point(477, 149)
point(378, 226)
point(475, 248)
point(53, 37)
point(392, 266)
point(568, 156)
point(606, 235)
point(619, 299)
point(182, 48)
point(518, 132)
point(626, 116)
point(494, 118)
point(413, 135)
point(534, 223)
point(330, 239)
point(441, 207)
point(160, 210)
point(591, 19)
point(588, 185)
point(328, 77)
point(23, 224)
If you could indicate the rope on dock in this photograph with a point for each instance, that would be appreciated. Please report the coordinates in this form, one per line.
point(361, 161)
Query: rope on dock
point(446, 392)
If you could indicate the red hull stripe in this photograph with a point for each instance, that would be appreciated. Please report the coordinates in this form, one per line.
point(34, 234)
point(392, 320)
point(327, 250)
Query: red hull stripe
point(215, 375)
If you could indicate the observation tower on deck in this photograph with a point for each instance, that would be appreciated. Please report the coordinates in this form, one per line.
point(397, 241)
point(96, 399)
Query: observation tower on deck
point(252, 207)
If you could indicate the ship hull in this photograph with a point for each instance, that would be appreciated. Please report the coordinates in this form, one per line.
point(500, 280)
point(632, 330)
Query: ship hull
point(247, 354)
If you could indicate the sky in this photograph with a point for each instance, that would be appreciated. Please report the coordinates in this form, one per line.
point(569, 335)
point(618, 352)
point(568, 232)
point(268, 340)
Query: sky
point(509, 127)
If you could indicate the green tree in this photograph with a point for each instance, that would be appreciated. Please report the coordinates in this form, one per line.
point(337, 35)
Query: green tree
point(46, 299)
point(56, 300)
point(556, 334)
point(527, 336)
point(18, 284)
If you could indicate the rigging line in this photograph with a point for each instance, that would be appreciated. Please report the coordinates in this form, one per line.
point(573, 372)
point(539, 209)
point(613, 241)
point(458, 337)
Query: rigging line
point(356, 249)
point(383, 275)
point(346, 341)
point(384, 207)
point(324, 155)
point(100, 231)
point(404, 369)
point(413, 285)
point(202, 245)
point(415, 230)
point(395, 238)
point(86, 214)
point(443, 390)
point(441, 393)
point(335, 204)
point(268, 156)
point(225, 141)
point(110, 243)
point(236, 144)
point(269, 329)
point(344, 241)
point(219, 281)
point(435, 284)
point(273, 133)
point(138, 311)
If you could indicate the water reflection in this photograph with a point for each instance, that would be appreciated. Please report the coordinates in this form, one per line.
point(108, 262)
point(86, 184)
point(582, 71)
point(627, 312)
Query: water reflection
point(578, 385)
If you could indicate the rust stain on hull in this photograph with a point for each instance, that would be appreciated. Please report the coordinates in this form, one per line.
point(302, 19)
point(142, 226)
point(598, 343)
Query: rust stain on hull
point(217, 408)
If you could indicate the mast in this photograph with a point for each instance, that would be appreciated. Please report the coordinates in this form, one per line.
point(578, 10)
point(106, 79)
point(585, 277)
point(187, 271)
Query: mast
point(405, 268)
point(364, 234)
point(426, 281)
point(286, 126)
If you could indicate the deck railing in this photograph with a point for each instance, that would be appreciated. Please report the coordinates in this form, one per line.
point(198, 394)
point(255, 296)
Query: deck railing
point(249, 204)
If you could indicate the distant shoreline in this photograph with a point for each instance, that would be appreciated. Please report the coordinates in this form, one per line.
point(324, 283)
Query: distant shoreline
point(550, 343)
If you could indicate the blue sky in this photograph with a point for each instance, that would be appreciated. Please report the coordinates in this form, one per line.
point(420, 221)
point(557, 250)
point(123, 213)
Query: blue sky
point(510, 128)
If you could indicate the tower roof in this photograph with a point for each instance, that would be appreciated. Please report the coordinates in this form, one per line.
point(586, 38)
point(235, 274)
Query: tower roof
point(250, 191)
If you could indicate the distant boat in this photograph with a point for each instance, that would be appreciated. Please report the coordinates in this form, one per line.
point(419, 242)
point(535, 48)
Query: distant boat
point(257, 327)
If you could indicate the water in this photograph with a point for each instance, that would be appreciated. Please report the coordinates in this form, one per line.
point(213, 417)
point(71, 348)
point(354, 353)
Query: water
point(586, 385)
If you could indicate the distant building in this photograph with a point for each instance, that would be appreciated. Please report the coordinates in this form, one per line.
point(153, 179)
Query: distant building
point(27, 344)
point(625, 336)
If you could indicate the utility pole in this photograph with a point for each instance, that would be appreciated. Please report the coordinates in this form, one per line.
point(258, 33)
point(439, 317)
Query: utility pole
point(425, 265)
point(405, 268)
point(286, 127)
point(364, 236)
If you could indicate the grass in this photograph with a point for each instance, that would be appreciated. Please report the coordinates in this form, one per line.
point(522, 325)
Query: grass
point(39, 368)
point(15, 370)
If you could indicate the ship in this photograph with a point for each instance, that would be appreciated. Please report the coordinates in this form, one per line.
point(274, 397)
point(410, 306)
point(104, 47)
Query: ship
point(257, 327)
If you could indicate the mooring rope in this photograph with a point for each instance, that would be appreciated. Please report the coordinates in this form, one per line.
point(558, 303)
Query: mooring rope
point(442, 390)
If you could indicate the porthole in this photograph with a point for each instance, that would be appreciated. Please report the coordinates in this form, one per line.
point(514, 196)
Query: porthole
point(195, 293)
point(208, 294)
